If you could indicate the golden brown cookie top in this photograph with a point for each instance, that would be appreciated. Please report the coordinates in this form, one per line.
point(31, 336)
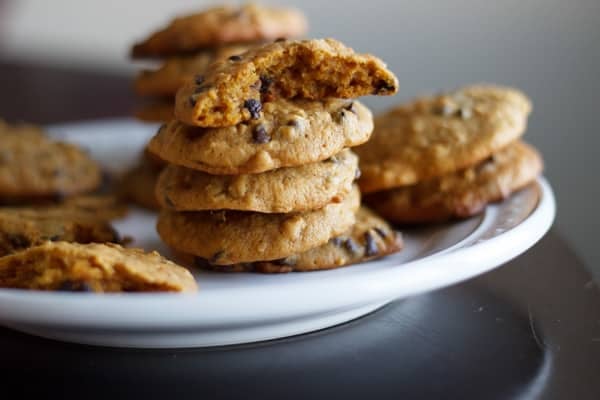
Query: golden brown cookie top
point(33, 166)
point(303, 188)
point(222, 25)
point(462, 193)
point(93, 267)
point(437, 135)
point(235, 90)
point(288, 133)
point(228, 237)
point(177, 70)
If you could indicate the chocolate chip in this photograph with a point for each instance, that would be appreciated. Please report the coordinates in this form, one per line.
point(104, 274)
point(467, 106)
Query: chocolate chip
point(339, 117)
point(254, 107)
point(235, 57)
point(380, 232)
point(199, 79)
point(54, 238)
point(200, 89)
point(73, 286)
point(384, 87)
point(169, 202)
point(215, 257)
point(260, 135)
point(293, 122)
point(201, 262)
point(18, 241)
point(370, 245)
point(352, 246)
point(357, 173)
point(192, 100)
point(265, 83)
point(350, 107)
point(336, 241)
point(281, 39)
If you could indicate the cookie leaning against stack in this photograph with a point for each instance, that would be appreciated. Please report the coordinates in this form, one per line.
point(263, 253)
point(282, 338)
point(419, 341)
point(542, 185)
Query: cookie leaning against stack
point(260, 173)
point(447, 156)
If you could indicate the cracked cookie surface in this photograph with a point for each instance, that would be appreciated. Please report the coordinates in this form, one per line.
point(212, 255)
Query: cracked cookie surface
point(93, 267)
point(235, 90)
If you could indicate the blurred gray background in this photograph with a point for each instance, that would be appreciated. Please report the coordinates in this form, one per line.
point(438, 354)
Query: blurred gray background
point(548, 48)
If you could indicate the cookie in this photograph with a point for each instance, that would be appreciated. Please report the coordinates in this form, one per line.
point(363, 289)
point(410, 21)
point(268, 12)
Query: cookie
point(93, 267)
point(21, 228)
point(220, 26)
point(138, 183)
point(461, 194)
point(175, 71)
point(235, 90)
point(155, 111)
point(304, 188)
point(435, 136)
point(33, 167)
point(369, 238)
point(229, 237)
point(288, 134)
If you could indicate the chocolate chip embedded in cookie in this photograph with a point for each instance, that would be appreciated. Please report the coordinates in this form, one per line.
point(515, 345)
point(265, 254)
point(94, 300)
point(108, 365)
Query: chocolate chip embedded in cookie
point(434, 136)
point(21, 228)
point(288, 133)
point(229, 237)
point(284, 190)
point(369, 238)
point(176, 71)
point(461, 194)
point(220, 26)
point(235, 90)
point(93, 267)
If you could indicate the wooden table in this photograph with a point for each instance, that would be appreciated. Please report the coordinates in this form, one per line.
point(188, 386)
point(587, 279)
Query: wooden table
point(530, 329)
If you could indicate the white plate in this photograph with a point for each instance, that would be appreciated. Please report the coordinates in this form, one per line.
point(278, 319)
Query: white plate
point(246, 307)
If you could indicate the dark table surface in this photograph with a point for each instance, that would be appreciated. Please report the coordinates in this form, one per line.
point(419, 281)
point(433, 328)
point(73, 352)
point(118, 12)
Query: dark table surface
point(530, 329)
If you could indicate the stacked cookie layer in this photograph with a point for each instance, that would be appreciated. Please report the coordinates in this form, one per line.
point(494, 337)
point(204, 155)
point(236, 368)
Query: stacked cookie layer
point(260, 174)
point(447, 156)
point(190, 43)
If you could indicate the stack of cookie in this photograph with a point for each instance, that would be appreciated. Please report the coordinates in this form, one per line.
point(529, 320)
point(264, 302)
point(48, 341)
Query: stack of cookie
point(448, 156)
point(260, 176)
point(190, 43)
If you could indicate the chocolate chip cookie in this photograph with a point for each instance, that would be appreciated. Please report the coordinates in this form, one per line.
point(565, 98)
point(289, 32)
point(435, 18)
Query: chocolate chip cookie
point(235, 90)
point(93, 268)
point(21, 228)
point(303, 188)
point(369, 238)
point(33, 167)
point(287, 134)
point(463, 193)
point(438, 135)
point(230, 237)
point(219, 26)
